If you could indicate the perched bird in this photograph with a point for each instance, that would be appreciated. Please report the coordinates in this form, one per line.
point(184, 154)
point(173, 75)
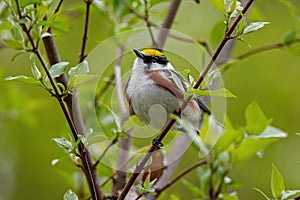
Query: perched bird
point(153, 93)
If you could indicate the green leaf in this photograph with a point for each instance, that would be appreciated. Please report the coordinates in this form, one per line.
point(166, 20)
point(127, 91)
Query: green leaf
point(59, 25)
point(41, 11)
point(14, 44)
point(262, 193)
point(35, 71)
point(70, 195)
point(277, 183)
point(177, 81)
point(16, 33)
point(228, 138)
point(290, 194)
point(58, 69)
point(218, 4)
point(230, 6)
point(81, 68)
point(63, 143)
point(255, 143)
point(254, 26)
point(256, 120)
point(154, 2)
point(212, 93)
point(25, 3)
point(23, 78)
point(289, 37)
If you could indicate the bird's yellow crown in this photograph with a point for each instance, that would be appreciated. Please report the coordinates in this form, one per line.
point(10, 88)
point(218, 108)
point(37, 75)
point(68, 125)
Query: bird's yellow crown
point(153, 52)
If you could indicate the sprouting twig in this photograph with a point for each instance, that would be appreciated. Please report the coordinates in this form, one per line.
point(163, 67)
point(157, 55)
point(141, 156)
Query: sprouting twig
point(82, 55)
point(96, 192)
point(165, 130)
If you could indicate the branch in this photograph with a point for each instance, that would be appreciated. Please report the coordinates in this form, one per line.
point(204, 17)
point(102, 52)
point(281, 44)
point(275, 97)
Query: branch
point(53, 56)
point(124, 144)
point(166, 25)
point(124, 164)
point(105, 150)
point(225, 39)
point(82, 55)
point(165, 130)
point(146, 18)
point(191, 168)
point(58, 6)
point(265, 48)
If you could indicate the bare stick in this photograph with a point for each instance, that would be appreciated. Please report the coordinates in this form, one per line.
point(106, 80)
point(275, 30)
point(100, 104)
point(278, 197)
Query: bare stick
point(148, 22)
point(82, 55)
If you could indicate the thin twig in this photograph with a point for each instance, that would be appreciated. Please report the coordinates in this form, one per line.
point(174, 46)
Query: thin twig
point(58, 6)
point(216, 194)
point(225, 39)
point(146, 18)
point(82, 55)
point(124, 164)
point(191, 168)
point(266, 48)
point(165, 130)
point(106, 150)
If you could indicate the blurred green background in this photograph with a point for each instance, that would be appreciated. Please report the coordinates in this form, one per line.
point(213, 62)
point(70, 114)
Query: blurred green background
point(29, 117)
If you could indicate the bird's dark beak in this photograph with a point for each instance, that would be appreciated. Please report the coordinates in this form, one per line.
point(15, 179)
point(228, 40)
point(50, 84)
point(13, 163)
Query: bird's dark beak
point(138, 54)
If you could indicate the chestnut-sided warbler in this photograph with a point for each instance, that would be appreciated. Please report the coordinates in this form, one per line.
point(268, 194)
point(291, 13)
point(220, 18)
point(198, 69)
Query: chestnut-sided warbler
point(153, 93)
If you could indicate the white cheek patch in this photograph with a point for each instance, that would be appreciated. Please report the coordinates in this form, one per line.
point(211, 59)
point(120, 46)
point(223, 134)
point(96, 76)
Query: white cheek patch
point(158, 116)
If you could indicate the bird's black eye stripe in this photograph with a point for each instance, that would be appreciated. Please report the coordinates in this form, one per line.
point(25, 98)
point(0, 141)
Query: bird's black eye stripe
point(153, 59)
point(161, 60)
